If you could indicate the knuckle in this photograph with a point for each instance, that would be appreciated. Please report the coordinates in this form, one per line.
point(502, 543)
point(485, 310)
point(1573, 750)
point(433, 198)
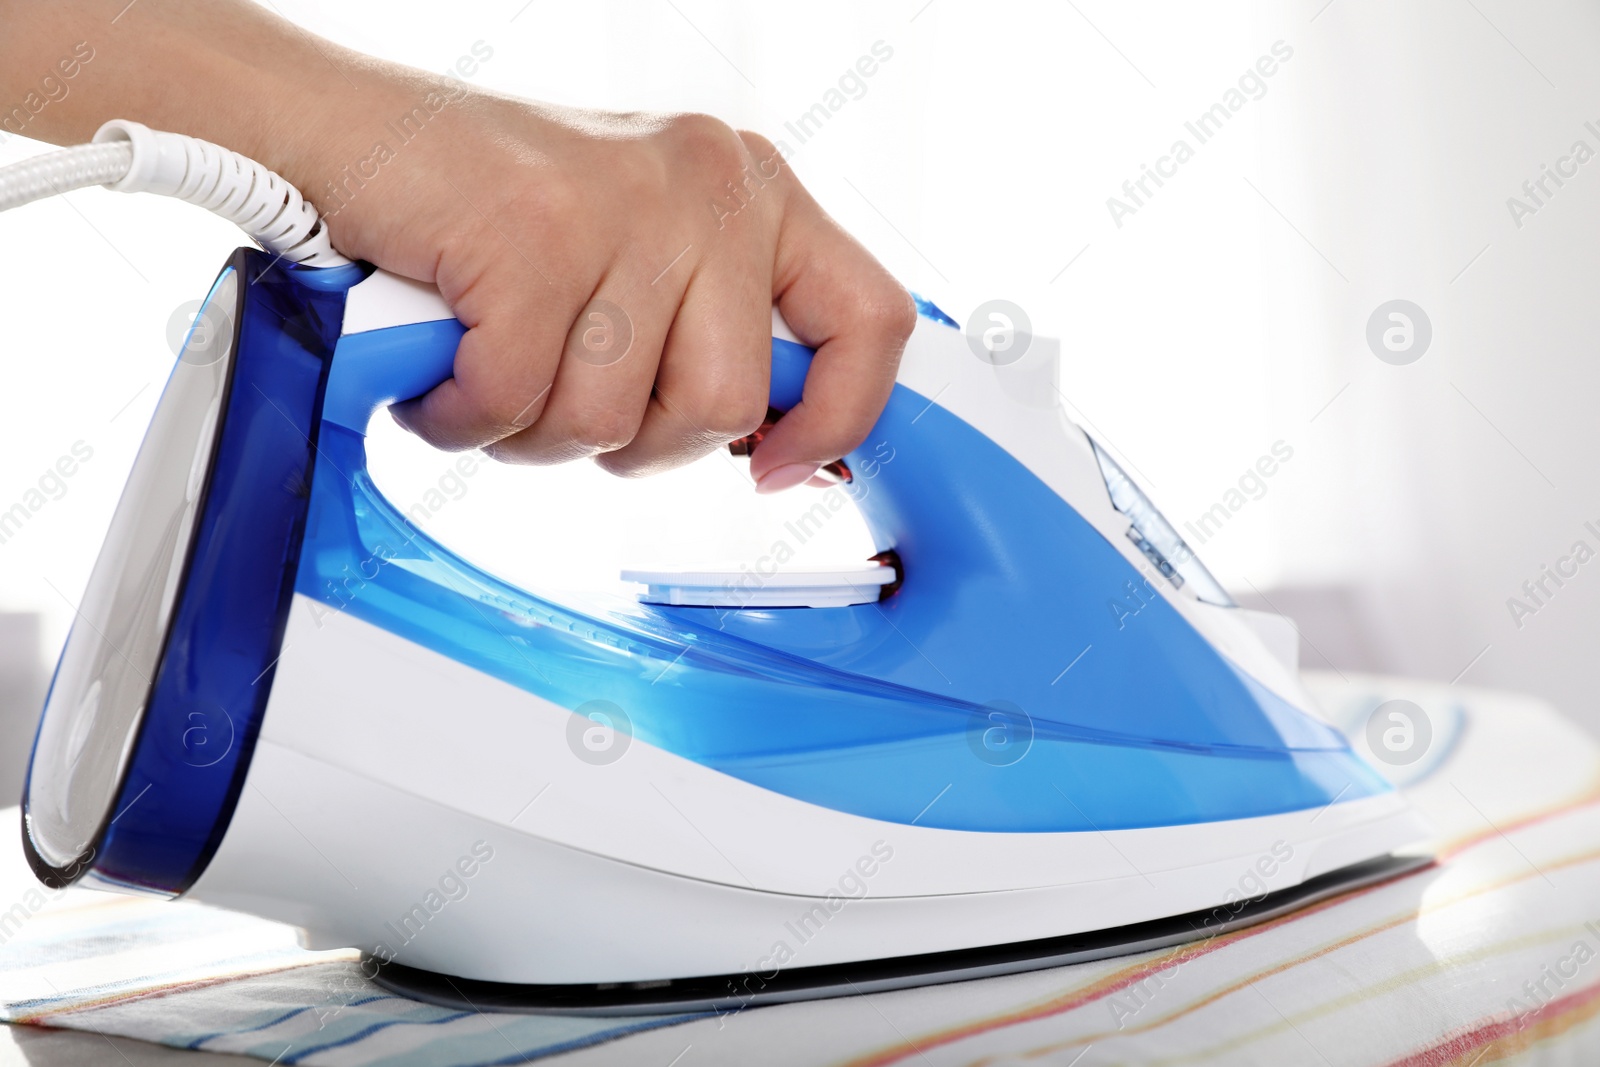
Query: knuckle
point(504, 451)
point(606, 429)
point(621, 464)
point(435, 436)
point(757, 144)
point(528, 450)
point(632, 464)
point(889, 309)
point(729, 412)
point(507, 412)
point(769, 158)
point(708, 142)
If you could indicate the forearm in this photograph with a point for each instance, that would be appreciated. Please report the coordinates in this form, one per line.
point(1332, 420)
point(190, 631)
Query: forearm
point(225, 70)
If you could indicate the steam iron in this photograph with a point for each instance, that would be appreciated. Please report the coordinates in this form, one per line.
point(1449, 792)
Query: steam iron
point(1032, 729)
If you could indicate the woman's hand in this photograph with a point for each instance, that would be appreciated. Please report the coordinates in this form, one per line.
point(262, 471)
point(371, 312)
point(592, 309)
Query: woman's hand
point(616, 274)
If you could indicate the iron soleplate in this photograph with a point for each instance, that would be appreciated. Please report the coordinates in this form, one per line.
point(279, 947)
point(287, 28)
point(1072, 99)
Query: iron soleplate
point(730, 993)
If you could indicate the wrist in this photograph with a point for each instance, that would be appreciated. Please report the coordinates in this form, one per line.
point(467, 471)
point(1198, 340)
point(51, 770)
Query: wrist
point(353, 151)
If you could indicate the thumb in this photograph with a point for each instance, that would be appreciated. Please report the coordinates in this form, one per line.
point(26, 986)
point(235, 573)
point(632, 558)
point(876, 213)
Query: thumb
point(839, 300)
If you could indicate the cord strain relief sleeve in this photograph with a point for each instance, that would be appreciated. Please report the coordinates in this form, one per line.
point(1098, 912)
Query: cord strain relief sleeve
point(258, 200)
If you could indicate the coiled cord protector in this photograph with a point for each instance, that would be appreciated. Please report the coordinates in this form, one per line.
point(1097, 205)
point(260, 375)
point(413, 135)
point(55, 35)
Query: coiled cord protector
point(131, 158)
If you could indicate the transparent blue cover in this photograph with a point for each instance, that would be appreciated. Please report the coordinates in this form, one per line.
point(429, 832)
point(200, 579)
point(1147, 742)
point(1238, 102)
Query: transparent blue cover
point(947, 704)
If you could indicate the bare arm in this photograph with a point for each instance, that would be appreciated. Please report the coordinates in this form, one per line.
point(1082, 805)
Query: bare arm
point(531, 219)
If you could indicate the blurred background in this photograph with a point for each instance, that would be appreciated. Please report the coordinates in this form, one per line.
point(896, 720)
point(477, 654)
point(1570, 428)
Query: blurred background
point(1338, 156)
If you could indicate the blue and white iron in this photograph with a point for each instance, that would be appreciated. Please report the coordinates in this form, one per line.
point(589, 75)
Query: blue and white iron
point(1033, 729)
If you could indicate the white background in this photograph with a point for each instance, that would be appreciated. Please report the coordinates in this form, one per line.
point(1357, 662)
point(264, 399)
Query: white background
point(1224, 316)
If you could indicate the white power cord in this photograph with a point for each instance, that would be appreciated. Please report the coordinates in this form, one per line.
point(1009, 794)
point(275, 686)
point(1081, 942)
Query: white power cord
point(62, 172)
point(131, 158)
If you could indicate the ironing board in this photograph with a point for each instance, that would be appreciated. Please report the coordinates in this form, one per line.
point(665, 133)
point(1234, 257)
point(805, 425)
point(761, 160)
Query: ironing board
point(1490, 956)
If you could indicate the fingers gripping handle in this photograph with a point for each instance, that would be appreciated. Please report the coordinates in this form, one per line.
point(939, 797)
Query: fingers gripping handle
point(400, 337)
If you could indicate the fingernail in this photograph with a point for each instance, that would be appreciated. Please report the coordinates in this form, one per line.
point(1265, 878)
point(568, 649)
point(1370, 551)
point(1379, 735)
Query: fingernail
point(787, 476)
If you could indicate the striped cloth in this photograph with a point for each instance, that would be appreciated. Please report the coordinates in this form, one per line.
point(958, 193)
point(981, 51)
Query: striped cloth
point(1490, 956)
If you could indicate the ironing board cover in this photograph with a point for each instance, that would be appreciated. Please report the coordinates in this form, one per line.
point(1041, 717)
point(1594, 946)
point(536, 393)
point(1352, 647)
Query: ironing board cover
point(1491, 956)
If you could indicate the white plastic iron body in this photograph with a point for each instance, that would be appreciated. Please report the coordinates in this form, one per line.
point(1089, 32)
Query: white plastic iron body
point(487, 832)
point(1032, 721)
